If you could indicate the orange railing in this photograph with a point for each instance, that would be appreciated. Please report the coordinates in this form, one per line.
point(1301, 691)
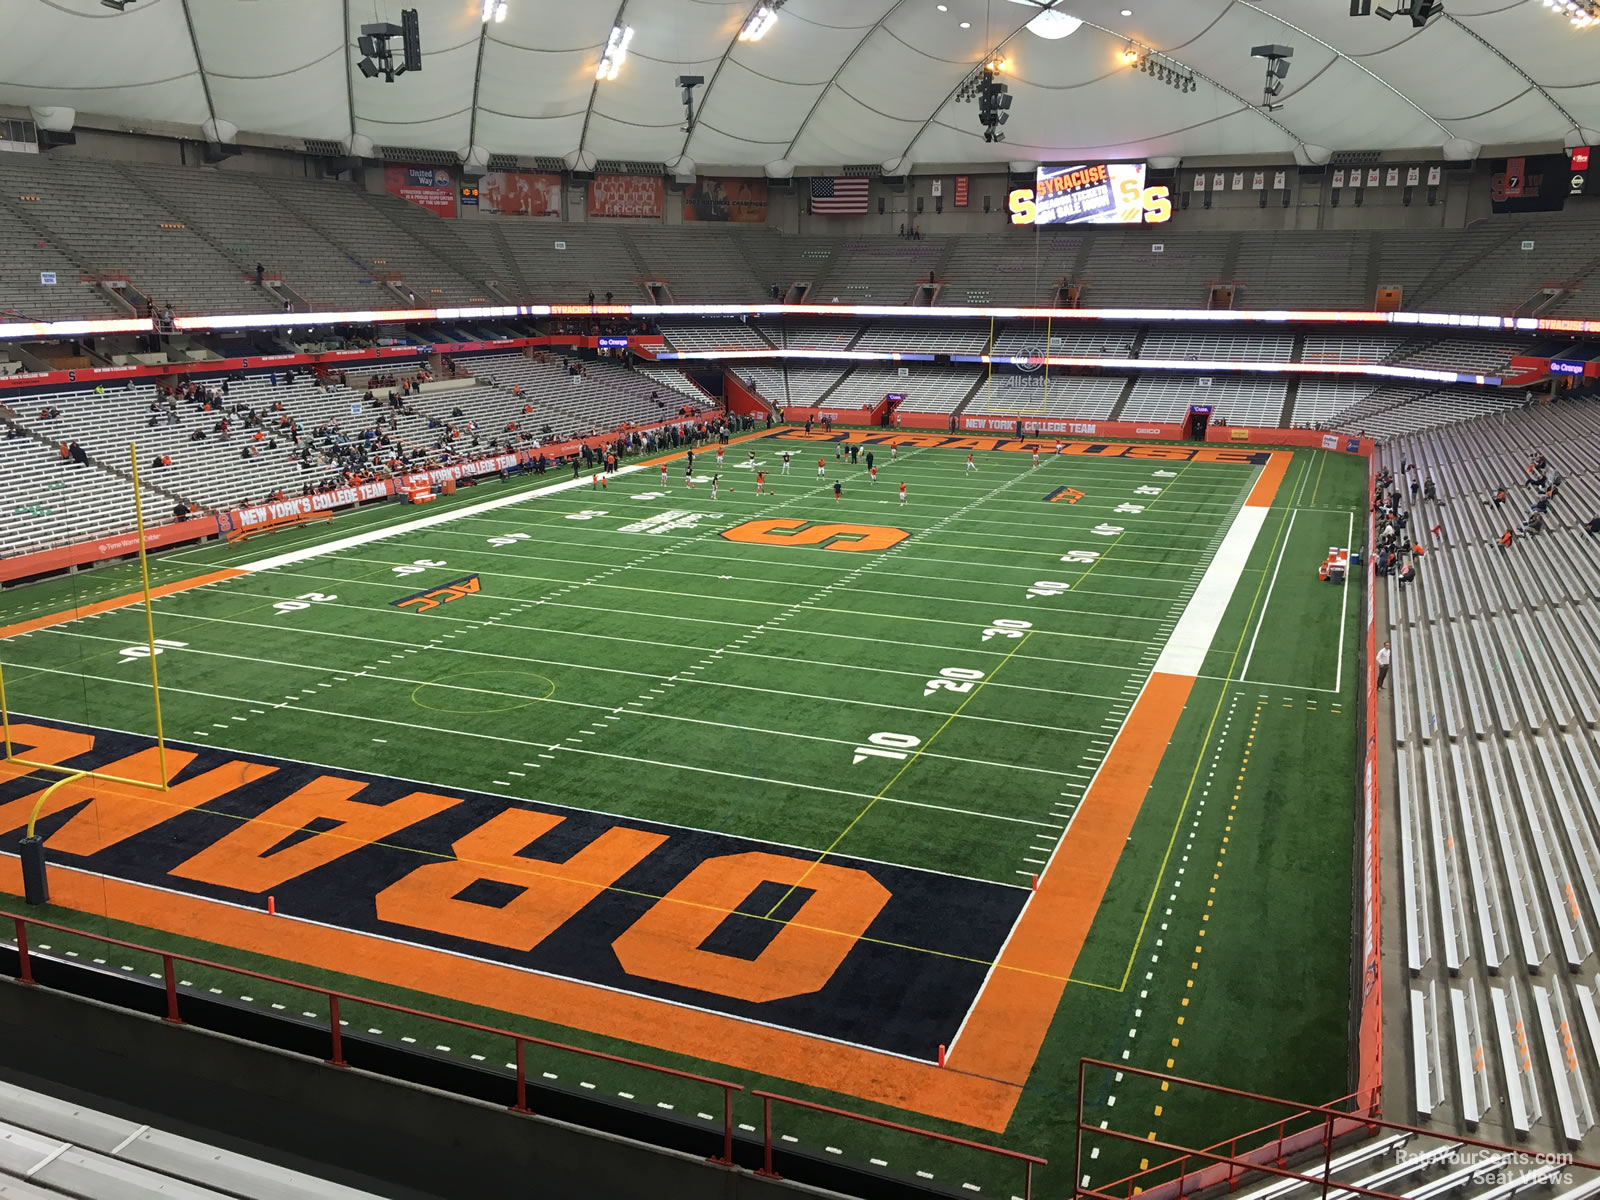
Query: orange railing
point(519, 1041)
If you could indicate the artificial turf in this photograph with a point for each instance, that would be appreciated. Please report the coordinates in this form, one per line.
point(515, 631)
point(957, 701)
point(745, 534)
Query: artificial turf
point(679, 678)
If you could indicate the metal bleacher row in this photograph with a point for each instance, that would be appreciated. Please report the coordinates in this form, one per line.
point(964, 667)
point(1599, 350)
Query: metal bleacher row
point(47, 499)
point(1360, 405)
point(1496, 700)
point(192, 235)
point(50, 1148)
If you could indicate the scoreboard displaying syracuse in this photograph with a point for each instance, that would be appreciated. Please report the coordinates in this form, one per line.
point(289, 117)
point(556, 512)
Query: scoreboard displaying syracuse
point(1090, 194)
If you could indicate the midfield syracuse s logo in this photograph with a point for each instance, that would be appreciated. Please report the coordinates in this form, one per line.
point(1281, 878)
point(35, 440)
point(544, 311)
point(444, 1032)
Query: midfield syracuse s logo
point(823, 535)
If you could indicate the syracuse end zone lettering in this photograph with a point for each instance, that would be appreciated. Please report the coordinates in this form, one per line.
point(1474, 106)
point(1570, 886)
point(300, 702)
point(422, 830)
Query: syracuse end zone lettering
point(383, 869)
point(787, 531)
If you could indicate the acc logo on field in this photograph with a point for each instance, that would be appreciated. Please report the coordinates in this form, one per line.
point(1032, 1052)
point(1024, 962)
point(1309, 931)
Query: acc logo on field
point(467, 585)
point(824, 535)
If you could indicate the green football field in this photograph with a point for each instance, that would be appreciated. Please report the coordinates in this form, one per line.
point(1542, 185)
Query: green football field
point(752, 786)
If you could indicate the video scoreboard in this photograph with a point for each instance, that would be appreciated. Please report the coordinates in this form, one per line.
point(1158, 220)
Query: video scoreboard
point(1090, 194)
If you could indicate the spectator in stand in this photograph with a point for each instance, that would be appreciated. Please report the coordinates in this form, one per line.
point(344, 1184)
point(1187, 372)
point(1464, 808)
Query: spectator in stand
point(78, 455)
point(1383, 663)
point(261, 274)
point(1592, 526)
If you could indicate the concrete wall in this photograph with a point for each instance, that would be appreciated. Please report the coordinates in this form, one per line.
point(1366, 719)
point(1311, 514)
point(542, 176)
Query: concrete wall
point(400, 1141)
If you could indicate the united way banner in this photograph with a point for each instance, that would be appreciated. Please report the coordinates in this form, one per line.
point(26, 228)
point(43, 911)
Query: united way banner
point(426, 187)
point(627, 196)
point(520, 194)
point(742, 201)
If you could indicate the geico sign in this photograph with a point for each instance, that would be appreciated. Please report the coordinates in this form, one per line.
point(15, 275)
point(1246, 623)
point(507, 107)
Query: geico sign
point(1156, 202)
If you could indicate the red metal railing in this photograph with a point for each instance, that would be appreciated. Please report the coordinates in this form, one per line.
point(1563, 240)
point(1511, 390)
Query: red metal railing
point(1028, 1161)
point(1190, 1170)
point(519, 1041)
point(335, 1035)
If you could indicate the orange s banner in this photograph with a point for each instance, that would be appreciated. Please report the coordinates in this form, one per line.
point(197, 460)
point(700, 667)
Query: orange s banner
point(826, 535)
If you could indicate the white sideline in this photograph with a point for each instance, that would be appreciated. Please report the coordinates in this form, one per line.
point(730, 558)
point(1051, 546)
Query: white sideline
point(428, 522)
point(1190, 640)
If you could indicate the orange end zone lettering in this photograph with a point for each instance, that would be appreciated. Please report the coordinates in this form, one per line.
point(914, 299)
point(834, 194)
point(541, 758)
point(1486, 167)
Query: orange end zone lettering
point(549, 893)
point(42, 744)
point(783, 531)
point(626, 929)
point(665, 943)
point(115, 812)
point(254, 857)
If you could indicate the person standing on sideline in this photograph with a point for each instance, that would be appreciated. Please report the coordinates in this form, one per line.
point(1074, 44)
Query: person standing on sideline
point(785, 463)
point(971, 466)
point(1383, 663)
point(869, 460)
point(902, 493)
point(822, 468)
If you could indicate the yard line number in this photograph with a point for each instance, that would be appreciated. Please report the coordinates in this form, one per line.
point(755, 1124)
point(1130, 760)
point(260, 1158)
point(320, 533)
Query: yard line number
point(304, 601)
point(886, 745)
point(953, 679)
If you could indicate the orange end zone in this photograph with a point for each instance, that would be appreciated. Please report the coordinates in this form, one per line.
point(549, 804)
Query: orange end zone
point(116, 602)
point(911, 1086)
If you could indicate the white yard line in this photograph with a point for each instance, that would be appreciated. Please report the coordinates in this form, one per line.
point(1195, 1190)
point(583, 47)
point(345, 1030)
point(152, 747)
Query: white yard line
point(1261, 617)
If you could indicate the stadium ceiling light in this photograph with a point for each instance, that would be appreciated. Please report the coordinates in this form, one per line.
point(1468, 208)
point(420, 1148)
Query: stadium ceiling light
point(1153, 63)
point(1581, 13)
point(494, 10)
point(118, 5)
point(1052, 24)
point(616, 52)
point(1419, 11)
point(763, 19)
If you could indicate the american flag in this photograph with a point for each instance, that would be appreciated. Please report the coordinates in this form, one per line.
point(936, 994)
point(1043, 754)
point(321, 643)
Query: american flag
point(839, 196)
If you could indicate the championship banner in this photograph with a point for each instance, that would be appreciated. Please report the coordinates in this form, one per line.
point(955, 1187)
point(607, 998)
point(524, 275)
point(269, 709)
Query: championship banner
point(1391, 177)
point(1372, 176)
point(1279, 180)
point(1413, 176)
point(1258, 181)
point(741, 201)
point(1338, 178)
point(1199, 181)
point(1216, 182)
point(961, 191)
point(1238, 181)
point(627, 196)
point(1434, 175)
point(520, 194)
point(426, 187)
